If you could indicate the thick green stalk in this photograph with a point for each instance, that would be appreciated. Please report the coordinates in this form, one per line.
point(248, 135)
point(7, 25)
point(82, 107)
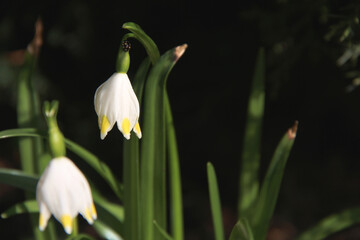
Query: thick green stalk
point(131, 189)
point(25, 116)
point(176, 214)
point(131, 167)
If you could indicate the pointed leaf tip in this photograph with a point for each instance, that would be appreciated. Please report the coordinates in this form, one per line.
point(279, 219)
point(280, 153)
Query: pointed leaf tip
point(179, 51)
point(293, 130)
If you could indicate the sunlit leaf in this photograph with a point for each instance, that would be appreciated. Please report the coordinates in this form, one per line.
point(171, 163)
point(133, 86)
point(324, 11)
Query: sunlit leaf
point(332, 224)
point(250, 161)
point(241, 231)
point(19, 179)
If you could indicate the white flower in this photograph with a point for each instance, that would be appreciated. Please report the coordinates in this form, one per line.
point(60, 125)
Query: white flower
point(64, 192)
point(115, 101)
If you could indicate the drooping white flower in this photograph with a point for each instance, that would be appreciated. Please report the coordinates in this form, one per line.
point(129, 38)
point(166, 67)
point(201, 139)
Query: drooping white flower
point(115, 101)
point(64, 192)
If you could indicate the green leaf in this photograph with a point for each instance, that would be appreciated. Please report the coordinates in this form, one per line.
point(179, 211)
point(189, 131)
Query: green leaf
point(149, 45)
point(105, 232)
point(84, 154)
point(215, 203)
point(18, 179)
point(266, 202)
point(162, 231)
point(98, 165)
point(80, 237)
point(250, 162)
point(21, 132)
point(332, 224)
point(28, 206)
point(110, 214)
point(241, 231)
point(140, 77)
point(153, 145)
point(176, 208)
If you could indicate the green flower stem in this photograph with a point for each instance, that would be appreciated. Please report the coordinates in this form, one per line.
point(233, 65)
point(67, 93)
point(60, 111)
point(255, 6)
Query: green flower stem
point(25, 114)
point(131, 189)
point(177, 222)
point(149, 45)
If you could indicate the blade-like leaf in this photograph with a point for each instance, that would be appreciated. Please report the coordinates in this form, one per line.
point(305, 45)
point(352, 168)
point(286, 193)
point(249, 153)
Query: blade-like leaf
point(80, 237)
point(177, 222)
point(241, 231)
point(29, 206)
point(162, 231)
point(153, 145)
point(149, 45)
point(21, 132)
point(84, 154)
point(250, 162)
point(332, 224)
point(97, 165)
point(266, 202)
point(110, 214)
point(215, 203)
point(18, 179)
point(105, 232)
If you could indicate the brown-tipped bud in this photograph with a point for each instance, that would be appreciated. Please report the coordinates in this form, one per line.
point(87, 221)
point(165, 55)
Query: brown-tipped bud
point(35, 45)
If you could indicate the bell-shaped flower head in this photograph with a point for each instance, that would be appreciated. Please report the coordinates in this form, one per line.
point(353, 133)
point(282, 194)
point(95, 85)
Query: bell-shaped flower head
point(115, 101)
point(64, 192)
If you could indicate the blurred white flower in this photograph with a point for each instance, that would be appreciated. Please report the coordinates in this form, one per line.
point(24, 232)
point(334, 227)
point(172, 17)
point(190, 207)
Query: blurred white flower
point(115, 101)
point(64, 192)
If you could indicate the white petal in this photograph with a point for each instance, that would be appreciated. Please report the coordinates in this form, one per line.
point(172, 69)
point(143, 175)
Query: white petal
point(64, 191)
point(116, 100)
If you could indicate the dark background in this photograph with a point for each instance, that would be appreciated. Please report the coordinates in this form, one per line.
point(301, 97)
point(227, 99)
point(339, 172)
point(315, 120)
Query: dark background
point(208, 89)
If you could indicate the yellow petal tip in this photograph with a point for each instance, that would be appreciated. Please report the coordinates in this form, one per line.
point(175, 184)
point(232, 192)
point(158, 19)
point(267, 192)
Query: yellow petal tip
point(137, 130)
point(66, 221)
point(125, 127)
point(104, 127)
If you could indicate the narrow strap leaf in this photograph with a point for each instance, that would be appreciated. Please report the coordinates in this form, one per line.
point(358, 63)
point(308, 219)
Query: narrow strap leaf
point(241, 231)
point(250, 161)
point(18, 179)
point(332, 224)
point(269, 192)
point(162, 231)
point(215, 203)
point(28, 206)
point(176, 208)
point(153, 145)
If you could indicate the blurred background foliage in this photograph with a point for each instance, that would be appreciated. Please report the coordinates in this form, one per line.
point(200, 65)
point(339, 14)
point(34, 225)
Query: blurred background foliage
point(312, 47)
